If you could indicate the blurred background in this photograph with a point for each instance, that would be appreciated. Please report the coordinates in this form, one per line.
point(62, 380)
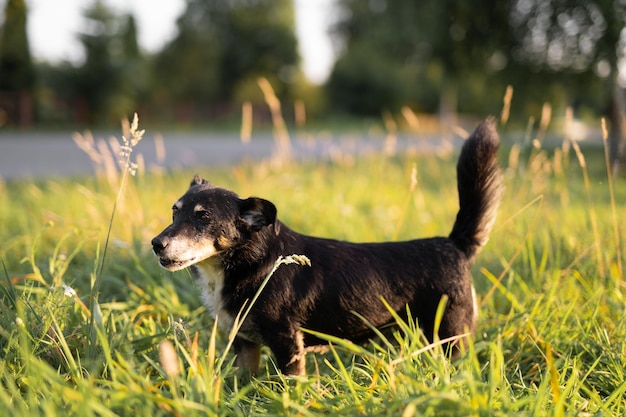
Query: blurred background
point(75, 64)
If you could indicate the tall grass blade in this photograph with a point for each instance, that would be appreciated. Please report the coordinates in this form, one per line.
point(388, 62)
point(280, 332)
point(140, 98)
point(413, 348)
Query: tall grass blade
point(616, 230)
point(9, 290)
point(592, 212)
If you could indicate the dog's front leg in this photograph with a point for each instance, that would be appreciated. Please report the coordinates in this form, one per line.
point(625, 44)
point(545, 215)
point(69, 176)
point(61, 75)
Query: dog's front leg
point(289, 352)
point(248, 355)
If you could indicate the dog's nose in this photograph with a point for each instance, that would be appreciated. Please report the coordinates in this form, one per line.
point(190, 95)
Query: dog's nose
point(158, 245)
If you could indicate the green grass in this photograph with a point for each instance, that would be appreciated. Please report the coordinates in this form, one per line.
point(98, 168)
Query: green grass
point(550, 340)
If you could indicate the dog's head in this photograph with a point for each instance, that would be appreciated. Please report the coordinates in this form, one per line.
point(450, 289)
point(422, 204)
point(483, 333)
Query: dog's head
point(207, 221)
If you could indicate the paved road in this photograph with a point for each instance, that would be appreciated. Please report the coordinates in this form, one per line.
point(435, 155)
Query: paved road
point(35, 155)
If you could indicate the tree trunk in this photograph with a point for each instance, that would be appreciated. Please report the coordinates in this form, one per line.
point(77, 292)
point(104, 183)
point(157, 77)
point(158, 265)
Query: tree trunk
point(24, 109)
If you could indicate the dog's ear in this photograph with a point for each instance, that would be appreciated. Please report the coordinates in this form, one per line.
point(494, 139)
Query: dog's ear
point(257, 213)
point(198, 181)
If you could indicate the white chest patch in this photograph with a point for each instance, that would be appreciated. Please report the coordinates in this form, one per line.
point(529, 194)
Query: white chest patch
point(211, 282)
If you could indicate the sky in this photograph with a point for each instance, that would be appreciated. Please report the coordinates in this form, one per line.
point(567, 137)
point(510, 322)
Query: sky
point(54, 24)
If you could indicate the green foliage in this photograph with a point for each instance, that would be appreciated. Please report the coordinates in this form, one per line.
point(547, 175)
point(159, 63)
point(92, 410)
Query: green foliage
point(550, 340)
point(16, 67)
point(17, 73)
point(363, 83)
point(429, 48)
point(222, 47)
point(561, 52)
point(432, 55)
point(113, 75)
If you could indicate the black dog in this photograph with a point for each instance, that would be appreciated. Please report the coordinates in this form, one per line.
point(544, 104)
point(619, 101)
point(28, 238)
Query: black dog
point(231, 244)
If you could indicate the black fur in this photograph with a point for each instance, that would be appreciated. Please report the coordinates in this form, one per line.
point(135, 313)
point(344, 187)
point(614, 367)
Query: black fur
point(244, 238)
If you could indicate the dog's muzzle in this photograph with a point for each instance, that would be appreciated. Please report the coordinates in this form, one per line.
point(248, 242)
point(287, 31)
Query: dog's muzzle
point(158, 245)
point(168, 260)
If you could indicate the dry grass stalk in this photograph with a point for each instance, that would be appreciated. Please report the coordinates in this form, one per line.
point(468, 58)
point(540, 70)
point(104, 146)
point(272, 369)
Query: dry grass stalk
point(168, 358)
point(299, 110)
point(280, 130)
point(159, 147)
point(100, 155)
point(592, 212)
point(246, 122)
point(514, 155)
point(546, 116)
point(460, 132)
point(103, 153)
point(411, 118)
point(391, 139)
point(506, 108)
point(610, 172)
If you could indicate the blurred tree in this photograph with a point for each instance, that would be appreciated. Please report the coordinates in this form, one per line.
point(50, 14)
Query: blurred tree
point(17, 74)
point(99, 73)
point(577, 36)
point(130, 46)
point(378, 38)
point(429, 52)
point(223, 47)
point(113, 75)
point(415, 52)
point(187, 70)
point(57, 94)
point(260, 41)
point(363, 82)
point(136, 77)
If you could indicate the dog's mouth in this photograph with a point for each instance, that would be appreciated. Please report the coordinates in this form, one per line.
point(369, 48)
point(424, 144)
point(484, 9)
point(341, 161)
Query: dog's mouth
point(175, 264)
point(180, 258)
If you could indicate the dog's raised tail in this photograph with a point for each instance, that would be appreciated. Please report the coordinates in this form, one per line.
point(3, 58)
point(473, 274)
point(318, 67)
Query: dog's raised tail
point(480, 188)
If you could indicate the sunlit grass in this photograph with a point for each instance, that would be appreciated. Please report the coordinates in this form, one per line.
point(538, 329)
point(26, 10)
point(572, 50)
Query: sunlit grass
point(550, 340)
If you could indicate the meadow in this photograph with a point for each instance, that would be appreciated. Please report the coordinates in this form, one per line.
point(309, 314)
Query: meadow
point(91, 325)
